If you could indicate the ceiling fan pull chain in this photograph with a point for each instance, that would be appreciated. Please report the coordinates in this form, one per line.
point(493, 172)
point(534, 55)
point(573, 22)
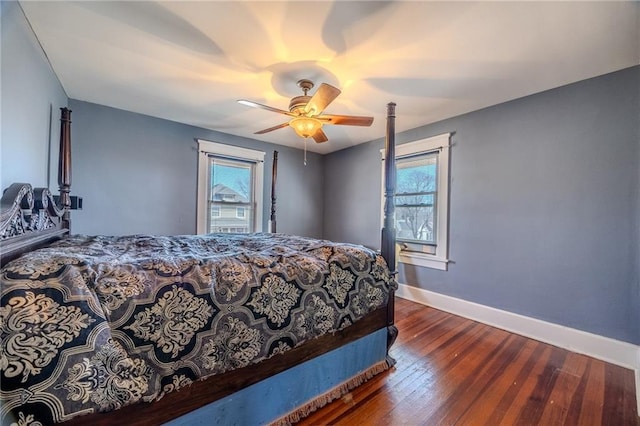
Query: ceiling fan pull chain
point(305, 151)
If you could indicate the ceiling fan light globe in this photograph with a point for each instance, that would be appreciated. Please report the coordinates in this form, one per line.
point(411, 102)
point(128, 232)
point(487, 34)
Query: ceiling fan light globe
point(305, 127)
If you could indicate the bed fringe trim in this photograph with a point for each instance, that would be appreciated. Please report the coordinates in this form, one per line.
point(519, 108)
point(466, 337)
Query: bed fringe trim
point(337, 392)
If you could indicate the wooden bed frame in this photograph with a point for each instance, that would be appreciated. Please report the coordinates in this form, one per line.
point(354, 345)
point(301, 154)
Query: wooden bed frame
point(30, 219)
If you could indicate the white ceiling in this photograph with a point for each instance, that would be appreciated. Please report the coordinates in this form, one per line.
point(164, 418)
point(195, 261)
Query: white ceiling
point(190, 61)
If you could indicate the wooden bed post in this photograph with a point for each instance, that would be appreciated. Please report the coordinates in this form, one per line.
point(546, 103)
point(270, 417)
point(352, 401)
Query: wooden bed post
point(274, 177)
point(388, 244)
point(64, 166)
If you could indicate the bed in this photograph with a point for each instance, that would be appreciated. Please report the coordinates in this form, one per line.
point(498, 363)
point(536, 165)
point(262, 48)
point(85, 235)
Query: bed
point(215, 329)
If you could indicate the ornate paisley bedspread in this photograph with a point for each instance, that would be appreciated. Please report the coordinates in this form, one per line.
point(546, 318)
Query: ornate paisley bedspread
point(95, 323)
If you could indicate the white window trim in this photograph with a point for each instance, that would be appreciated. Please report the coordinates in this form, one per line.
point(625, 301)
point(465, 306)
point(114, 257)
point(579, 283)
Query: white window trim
point(440, 259)
point(205, 148)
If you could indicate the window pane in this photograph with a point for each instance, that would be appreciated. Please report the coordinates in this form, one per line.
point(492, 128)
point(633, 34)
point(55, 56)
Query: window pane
point(417, 174)
point(415, 224)
point(416, 211)
point(231, 199)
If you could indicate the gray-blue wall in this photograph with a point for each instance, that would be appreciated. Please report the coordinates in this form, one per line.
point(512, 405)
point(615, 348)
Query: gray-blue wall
point(31, 100)
point(544, 210)
point(138, 174)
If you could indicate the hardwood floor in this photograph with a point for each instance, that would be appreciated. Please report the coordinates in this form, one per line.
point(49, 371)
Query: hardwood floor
point(454, 371)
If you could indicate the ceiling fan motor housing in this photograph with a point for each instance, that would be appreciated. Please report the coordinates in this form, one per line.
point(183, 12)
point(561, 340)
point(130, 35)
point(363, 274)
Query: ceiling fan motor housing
point(298, 103)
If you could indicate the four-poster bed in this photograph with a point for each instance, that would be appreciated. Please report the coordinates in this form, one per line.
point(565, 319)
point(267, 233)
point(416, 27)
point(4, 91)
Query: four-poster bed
point(120, 328)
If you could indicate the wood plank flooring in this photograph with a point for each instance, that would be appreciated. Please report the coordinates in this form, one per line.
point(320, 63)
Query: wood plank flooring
point(454, 371)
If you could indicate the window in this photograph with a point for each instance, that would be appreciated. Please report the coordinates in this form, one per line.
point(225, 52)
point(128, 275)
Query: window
point(422, 201)
point(229, 188)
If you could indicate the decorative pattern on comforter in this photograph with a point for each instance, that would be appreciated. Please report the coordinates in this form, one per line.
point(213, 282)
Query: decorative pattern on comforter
point(95, 323)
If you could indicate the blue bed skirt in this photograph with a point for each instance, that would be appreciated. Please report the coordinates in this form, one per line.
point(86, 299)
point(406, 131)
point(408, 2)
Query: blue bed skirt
point(275, 397)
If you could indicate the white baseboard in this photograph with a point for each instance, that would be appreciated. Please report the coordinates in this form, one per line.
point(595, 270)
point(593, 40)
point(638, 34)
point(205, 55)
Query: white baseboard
point(604, 348)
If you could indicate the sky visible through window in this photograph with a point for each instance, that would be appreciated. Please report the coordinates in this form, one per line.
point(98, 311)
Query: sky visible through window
point(234, 177)
point(407, 177)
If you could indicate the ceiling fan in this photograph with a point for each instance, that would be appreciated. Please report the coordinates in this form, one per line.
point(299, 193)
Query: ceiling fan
point(306, 112)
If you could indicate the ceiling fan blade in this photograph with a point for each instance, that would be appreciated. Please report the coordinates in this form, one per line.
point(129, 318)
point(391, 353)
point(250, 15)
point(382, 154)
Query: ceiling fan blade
point(346, 120)
point(268, 108)
point(319, 136)
point(271, 129)
point(323, 97)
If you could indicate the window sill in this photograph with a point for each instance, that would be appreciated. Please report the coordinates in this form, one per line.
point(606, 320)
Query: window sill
point(424, 260)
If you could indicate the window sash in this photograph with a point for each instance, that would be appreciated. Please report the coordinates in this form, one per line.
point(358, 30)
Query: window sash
point(227, 204)
point(229, 222)
point(416, 200)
